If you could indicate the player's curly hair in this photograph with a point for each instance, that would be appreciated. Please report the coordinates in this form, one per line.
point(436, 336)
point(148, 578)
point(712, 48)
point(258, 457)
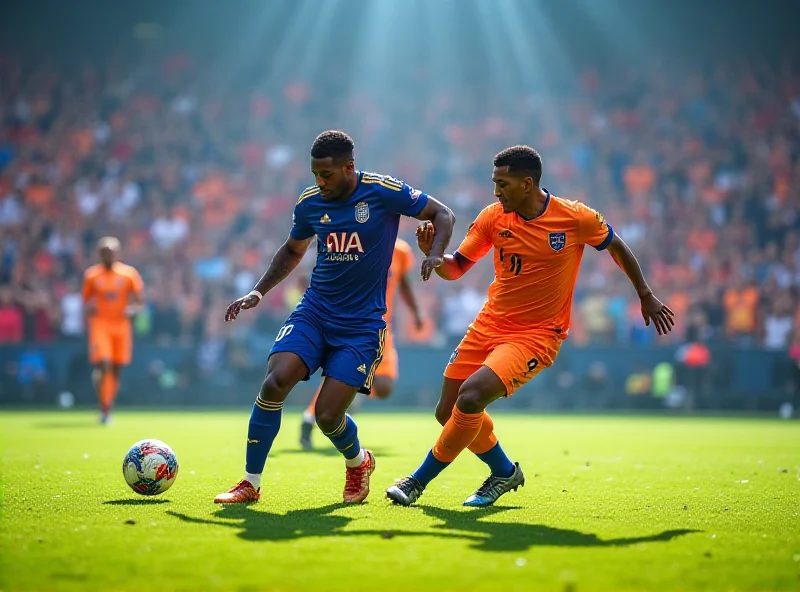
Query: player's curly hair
point(333, 144)
point(521, 160)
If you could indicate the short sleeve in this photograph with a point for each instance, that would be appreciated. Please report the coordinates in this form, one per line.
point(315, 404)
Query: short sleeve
point(301, 229)
point(137, 285)
point(593, 228)
point(479, 237)
point(403, 199)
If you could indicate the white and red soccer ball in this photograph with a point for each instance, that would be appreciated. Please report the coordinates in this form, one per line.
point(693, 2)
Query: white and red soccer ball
point(150, 467)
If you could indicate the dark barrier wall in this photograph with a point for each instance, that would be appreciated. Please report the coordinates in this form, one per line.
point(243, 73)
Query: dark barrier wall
point(583, 378)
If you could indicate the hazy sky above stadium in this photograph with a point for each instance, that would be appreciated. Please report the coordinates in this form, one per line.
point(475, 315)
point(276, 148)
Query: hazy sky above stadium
point(485, 41)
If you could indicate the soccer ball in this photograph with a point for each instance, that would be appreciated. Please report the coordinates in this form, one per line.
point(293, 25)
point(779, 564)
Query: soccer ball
point(150, 467)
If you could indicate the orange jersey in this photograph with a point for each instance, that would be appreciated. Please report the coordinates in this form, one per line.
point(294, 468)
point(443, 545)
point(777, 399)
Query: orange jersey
point(111, 289)
point(535, 261)
point(402, 262)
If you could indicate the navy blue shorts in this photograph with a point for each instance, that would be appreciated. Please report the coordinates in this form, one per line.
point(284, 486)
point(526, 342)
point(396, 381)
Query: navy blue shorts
point(348, 354)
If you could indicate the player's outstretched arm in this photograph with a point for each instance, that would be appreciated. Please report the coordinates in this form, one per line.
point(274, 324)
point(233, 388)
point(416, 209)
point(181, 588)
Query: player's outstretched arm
point(285, 260)
point(407, 294)
point(653, 310)
point(443, 220)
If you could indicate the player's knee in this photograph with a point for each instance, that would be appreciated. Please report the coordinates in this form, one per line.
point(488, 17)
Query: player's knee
point(471, 401)
point(275, 387)
point(443, 413)
point(328, 420)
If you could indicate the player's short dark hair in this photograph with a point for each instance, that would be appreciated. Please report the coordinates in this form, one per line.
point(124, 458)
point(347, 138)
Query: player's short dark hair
point(521, 160)
point(333, 144)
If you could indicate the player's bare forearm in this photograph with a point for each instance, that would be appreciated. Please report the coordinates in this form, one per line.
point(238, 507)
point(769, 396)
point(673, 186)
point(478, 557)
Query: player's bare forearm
point(136, 305)
point(407, 294)
point(443, 221)
point(454, 267)
point(626, 260)
point(283, 263)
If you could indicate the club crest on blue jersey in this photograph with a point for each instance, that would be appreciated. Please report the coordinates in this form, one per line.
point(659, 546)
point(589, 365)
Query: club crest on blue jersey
point(558, 240)
point(362, 212)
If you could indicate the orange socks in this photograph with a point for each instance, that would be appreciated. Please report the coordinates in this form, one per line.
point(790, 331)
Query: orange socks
point(485, 440)
point(109, 384)
point(458, 433)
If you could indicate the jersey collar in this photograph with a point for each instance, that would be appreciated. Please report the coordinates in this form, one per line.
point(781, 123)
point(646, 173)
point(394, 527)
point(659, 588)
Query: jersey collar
point(543, 210)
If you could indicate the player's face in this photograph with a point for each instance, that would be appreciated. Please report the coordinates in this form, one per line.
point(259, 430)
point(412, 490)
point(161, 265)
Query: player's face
point(510, 189)
point(107, 256)
point(332, 177)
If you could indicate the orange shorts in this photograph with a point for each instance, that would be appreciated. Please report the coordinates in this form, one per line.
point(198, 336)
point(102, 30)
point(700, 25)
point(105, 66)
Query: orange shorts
point(515, 357)
point(110, 342)
point(389, 366)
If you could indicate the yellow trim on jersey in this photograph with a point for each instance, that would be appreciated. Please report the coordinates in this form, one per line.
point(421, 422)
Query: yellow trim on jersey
point(383, 180)
point(378, 359)
point(308, 193)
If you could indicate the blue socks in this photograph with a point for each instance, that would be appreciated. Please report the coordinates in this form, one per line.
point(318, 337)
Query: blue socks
point(429, 469)
point(498, 462)
point(345, 438)
point(495, 457)
point(265, 421)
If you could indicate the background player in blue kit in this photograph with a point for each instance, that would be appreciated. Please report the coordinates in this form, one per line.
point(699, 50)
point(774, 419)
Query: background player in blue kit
point(338, 325)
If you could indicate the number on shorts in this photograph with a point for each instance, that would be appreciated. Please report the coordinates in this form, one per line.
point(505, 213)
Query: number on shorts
point(284, 331)
point(532, 364)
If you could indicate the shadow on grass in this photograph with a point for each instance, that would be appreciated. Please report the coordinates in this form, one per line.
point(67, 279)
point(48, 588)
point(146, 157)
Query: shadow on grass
point(295, 524)
point(516, 536)
point(471, 526)
point(144, 501)
point(326, 449)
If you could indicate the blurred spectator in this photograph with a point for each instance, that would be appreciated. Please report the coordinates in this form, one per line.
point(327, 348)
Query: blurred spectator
point(199, 179)
point(12, 326)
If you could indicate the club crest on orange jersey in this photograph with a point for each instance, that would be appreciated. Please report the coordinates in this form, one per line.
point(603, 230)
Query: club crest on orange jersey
point(558, 240)
point(362, 212)
point(505, 234)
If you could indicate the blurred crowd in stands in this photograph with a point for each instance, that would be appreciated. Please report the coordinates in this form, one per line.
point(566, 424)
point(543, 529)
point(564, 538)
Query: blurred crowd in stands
point(697, 167)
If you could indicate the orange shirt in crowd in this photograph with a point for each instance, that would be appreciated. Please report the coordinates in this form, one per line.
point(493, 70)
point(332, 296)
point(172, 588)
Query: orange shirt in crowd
point(740, 310)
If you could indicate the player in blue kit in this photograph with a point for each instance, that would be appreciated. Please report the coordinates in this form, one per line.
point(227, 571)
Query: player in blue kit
point(338, 325)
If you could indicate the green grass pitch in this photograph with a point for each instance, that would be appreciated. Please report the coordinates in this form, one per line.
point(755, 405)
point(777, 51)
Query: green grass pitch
point(609, 504)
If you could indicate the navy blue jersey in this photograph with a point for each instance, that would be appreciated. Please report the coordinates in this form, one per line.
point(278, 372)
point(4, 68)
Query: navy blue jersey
point(355, 244)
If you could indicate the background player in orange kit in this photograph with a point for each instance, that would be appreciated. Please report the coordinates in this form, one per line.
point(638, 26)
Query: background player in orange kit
point(387, 372)
point(538, 242)
point(112, 294)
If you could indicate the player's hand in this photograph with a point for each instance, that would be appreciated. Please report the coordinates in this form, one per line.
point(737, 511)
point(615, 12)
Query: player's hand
point(235, 307)
point(425, 237)
point(429, 264)
point(655, 311)
point(89, 309)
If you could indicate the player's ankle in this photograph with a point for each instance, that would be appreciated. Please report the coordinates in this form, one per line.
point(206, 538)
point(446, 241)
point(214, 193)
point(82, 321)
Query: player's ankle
point(357, 461)
point(254, 479)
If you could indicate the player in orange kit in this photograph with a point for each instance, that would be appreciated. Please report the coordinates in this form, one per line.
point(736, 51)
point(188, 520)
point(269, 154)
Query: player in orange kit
point(112, 294)
point(387, 372)
point(538, 242)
